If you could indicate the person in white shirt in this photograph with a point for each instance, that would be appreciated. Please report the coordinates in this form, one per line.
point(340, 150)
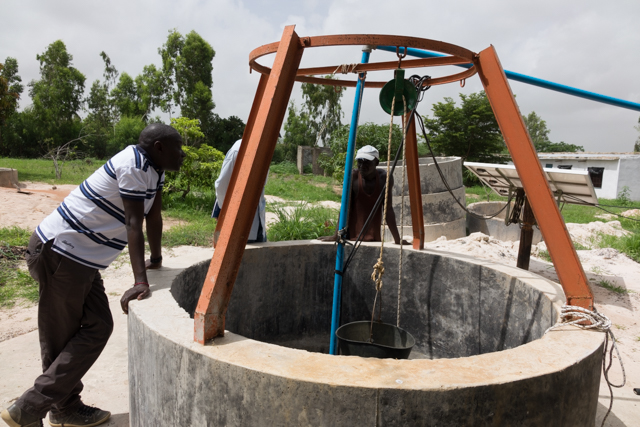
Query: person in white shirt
point(258, 231)
point(84, 234)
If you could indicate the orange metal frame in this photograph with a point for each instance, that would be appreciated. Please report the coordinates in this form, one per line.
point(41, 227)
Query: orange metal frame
point(261, 133)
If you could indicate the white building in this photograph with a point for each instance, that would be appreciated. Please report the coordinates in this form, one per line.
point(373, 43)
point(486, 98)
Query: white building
point(610, 172)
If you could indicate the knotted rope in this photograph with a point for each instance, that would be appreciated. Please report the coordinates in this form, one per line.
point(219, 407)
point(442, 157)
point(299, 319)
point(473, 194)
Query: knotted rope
point(346, 68)
point(572, 315)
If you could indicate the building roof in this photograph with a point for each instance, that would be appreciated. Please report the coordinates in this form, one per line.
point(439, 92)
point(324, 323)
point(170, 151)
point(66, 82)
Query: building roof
point(588, 156)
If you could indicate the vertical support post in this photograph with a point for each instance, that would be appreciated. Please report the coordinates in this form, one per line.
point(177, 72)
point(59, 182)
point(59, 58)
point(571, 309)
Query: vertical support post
point(563, 254)
point(344, 207)
point(415, 190)
point(526, 236)
point(241, 205)
point(243, 149)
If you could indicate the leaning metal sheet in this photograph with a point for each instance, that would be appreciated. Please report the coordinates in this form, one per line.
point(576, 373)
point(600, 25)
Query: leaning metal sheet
point(571, 186)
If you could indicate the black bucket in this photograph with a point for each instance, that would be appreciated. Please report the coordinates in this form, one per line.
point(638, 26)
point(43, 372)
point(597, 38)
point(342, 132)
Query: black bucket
point(389, 342)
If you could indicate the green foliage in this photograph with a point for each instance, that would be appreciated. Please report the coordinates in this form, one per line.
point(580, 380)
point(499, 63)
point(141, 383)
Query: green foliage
point(57, 97)
point(545, 256)
point(201, 167)
point(126, 132)
point(10, 90)
point(195, 210)
point(318, 118)
point(195, 233)
point(624, 197)
point(613, 288)
point(15, 283)
point(291, 186)
point(540, 136)
point(189, 129)
point(225, 132)
point(284, 168)
point(469, 131)
point(368, 134)
point(302, 222)
point(100, 122)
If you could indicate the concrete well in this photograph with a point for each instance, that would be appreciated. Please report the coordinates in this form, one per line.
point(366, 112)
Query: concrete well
point(8, 177)
point(481, 356)
point(442, 216)
point(495, 227)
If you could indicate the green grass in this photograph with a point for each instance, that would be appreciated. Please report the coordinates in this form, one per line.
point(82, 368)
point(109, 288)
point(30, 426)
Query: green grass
point(198, 232)
point(195, 209)
point(16, 285)
point(479, 193)
point(40, 170)
point(613, 288)
point(545, 256)
point(302, 223)
point(284, 181)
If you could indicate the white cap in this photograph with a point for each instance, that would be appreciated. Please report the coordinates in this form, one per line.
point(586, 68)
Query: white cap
point(367, 152)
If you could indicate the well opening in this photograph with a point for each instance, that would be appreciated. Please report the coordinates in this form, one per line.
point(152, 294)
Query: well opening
point(453, 307)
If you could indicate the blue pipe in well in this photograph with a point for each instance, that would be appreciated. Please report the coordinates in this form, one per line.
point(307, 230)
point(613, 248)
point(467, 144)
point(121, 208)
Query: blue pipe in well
point(522, 78)
point(344, 208)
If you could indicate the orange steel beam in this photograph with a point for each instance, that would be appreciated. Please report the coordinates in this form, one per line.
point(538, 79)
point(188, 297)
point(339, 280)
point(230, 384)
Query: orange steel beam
point(243, 148)
point(415, 192)
point(241, 205)
point(380, 66)
point(564, 256)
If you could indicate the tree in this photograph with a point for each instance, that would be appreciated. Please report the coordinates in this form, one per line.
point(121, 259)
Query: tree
point(101, 105)
point(368, 134)
point(469, 131)
point(10, 90)
point(540, 136)
point(186, 71)
point(318, 118)
point(189, 129)
point(57, 96)
point(226, 132)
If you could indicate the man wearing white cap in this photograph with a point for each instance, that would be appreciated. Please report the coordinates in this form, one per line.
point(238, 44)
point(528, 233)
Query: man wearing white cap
point(366, 185)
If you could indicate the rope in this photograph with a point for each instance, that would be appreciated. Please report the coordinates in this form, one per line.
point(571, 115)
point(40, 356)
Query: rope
point(572, 315)
point(378, 268)
point(346, 68)
point(404, 174)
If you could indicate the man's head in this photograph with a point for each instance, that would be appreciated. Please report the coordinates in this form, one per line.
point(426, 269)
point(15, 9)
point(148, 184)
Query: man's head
point(367, 158)
point(164, 145)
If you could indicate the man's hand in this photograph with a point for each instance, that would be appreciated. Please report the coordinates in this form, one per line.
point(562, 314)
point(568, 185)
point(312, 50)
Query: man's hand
point(138, 291)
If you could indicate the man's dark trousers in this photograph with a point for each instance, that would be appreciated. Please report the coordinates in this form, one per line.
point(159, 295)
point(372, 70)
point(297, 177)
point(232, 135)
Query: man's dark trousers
point(74, 324)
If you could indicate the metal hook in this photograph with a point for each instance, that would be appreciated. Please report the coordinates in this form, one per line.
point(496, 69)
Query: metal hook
point(463, 82)
point(400, 55)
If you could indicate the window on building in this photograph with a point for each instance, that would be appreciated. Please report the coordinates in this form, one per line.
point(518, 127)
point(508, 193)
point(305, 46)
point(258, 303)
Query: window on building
point(548, 165)
point(568, 167)
point(596, 176)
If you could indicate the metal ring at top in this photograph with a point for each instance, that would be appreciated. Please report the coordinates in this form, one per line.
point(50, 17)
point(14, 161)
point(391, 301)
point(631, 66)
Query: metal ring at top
point(458, 55)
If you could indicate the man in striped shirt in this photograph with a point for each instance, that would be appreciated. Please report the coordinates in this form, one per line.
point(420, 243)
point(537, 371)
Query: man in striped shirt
point(85, 234)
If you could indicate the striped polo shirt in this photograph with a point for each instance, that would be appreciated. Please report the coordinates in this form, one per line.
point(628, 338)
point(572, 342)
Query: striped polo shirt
point(89, 225)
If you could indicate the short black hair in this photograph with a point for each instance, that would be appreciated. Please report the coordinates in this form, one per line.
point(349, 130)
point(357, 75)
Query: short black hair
point(158, 132)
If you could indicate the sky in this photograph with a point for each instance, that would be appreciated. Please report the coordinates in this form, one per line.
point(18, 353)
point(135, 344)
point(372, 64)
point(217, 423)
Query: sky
point(590, 45)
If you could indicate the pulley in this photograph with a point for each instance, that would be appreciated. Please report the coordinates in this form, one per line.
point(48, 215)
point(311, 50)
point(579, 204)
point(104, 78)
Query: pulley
point(397, 88)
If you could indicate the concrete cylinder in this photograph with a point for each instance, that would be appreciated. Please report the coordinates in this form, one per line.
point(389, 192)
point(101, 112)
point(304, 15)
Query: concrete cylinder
point(481, 358)
point(496, 227)
point(441, 214)
point(8, 177)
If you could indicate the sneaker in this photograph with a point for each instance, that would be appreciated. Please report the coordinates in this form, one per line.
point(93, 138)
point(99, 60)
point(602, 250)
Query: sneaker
point(85, 416)
point(16, 417)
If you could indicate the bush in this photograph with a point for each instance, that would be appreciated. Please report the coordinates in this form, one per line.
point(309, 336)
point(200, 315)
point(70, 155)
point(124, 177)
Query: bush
point(302, 223)
point(201, 168)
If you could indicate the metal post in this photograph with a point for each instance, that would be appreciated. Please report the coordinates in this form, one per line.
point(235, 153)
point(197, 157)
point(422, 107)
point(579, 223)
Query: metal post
point(415, 189)
point(212, 306)
point(552, 226)
point(534, 81)
point(526, 236)
point(344, 207)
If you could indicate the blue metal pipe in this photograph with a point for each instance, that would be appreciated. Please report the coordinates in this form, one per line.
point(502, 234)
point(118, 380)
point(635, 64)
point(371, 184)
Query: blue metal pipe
point(344, 209)
point(522, 78)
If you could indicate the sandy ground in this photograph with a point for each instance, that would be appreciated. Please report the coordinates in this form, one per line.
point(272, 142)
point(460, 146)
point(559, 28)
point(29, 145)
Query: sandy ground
point(601, 266)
